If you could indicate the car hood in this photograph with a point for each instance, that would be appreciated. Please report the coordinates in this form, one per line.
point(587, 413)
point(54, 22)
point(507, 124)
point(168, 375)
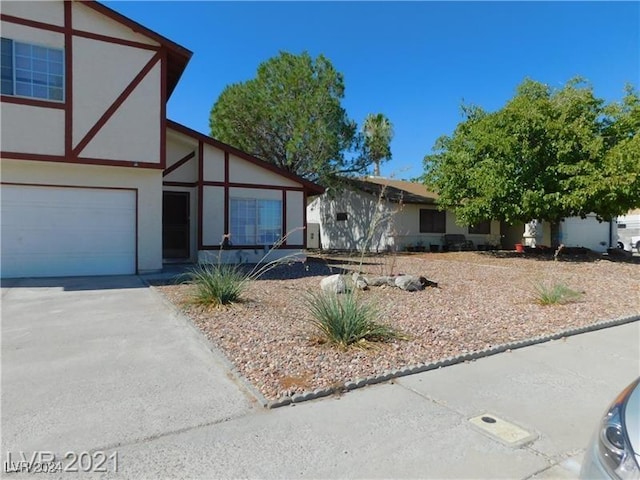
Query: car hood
point(632, 420)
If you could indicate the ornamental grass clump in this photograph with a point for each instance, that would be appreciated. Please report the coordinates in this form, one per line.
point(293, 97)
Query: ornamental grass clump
point(216, 285)
point(223, 283)
point(345, 320)
point(556, 294)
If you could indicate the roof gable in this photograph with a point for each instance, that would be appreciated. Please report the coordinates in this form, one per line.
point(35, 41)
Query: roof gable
point(309, 186)
point(177, 55)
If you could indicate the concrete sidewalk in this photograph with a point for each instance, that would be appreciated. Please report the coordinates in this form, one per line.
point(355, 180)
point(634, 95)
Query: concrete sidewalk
point(418, 426)
point(104, 365)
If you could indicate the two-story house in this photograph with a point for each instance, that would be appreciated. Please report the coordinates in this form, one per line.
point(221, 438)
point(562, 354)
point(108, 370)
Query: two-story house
point(95, 179)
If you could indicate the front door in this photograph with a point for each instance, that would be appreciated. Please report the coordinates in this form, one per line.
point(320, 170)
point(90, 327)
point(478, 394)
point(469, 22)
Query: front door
point(175, 225)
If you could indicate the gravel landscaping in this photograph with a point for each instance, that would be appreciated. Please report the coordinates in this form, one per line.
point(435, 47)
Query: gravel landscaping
point(483, 299)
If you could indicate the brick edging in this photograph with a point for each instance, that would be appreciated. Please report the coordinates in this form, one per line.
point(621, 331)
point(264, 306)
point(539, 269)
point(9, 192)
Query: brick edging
point(424, 367)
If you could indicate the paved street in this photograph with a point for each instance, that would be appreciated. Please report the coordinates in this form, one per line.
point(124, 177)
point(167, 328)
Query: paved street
point(110, 367)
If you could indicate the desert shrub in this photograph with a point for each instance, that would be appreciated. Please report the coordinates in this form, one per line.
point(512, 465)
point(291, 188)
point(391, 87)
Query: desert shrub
point(222, 283)
point(556, 294)
point(345, 319)
point(215, 285)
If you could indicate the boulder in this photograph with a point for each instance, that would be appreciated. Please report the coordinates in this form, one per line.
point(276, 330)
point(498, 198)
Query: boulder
point(333, 284)
point(359, 281)
point(379, 281)
point(410, 283)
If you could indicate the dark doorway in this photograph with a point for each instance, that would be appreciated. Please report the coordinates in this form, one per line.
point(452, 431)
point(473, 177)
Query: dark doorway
point(175, 225)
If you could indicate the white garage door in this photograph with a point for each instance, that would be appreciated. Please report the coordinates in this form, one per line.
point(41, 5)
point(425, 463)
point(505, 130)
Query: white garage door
point(59, 231)
point(585, 232)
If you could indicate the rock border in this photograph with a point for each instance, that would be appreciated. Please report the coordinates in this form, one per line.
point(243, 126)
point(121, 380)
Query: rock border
point(383, 377)
point(425, 367)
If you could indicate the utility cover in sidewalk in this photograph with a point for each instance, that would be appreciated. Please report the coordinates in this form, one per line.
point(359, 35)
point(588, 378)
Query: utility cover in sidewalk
point(502, 430)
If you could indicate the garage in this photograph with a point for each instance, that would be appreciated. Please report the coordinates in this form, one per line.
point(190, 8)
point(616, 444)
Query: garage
point(49, 231)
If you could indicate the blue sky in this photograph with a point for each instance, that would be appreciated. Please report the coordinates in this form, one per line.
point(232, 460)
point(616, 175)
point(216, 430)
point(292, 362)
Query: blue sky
point(413, 61)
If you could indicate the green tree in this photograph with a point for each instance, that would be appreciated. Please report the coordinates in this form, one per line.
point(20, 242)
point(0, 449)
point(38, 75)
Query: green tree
point(378, 132)
point(291, 115)
point(547, 154)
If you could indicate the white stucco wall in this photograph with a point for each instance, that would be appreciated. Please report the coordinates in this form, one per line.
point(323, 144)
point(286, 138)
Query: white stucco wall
point(133, 132)
point(147, 182)
point(241, 171)
point(32, 35)
point(101, 72)
point(29, 129)
point(212, 215)
point(258, 255)
point(213, 167)
point(295, 218)
point(398, 225)
point(88, 20)
point(178, 146)
point(47, 12)
point(26, 129)
point(356, 232)
point(257, 193)
point(187, 172)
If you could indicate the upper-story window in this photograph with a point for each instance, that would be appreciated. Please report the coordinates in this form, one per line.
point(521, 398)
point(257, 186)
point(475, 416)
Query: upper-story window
point(32, 71)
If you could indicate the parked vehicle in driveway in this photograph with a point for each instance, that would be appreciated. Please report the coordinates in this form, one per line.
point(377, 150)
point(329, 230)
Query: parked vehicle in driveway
point(614, 451)
point(628, 228)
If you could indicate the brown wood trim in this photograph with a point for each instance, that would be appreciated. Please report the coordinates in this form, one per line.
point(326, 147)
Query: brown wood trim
point(68, 79)
point(137, 239)
point(284, 216)
point(304, 220)
point(256, 186)
point(32, 23)
point(180, 184)
point(250, 247)
point(245, 156)
point(179, 163)
point(116, 104)
point(38, 157)
point(118, 41)
point(32, 102)
point(200, 192)
point(117, 163)
point(163, 108)
point(226, 194)
point(137, 28)
point(88, 187)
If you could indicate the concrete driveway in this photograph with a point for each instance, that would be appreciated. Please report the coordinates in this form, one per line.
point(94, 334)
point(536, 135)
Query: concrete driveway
point(112, 369)
point(97, 362)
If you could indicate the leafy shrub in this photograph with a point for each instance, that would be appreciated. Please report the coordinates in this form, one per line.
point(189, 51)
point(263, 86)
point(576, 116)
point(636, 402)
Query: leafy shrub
point(345, 320)
point(557, 294)
point(220, 284)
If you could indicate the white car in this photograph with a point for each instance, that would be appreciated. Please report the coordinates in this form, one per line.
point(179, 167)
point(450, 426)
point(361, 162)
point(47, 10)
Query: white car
point(614, 451)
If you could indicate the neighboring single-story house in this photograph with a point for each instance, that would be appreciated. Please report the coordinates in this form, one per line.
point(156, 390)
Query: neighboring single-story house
point(95, 179)
point(405, 215)
point(380, 214)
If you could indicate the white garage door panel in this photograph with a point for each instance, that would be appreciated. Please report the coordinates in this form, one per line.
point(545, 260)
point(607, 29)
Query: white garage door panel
point(585, 232)
point(52, 231)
